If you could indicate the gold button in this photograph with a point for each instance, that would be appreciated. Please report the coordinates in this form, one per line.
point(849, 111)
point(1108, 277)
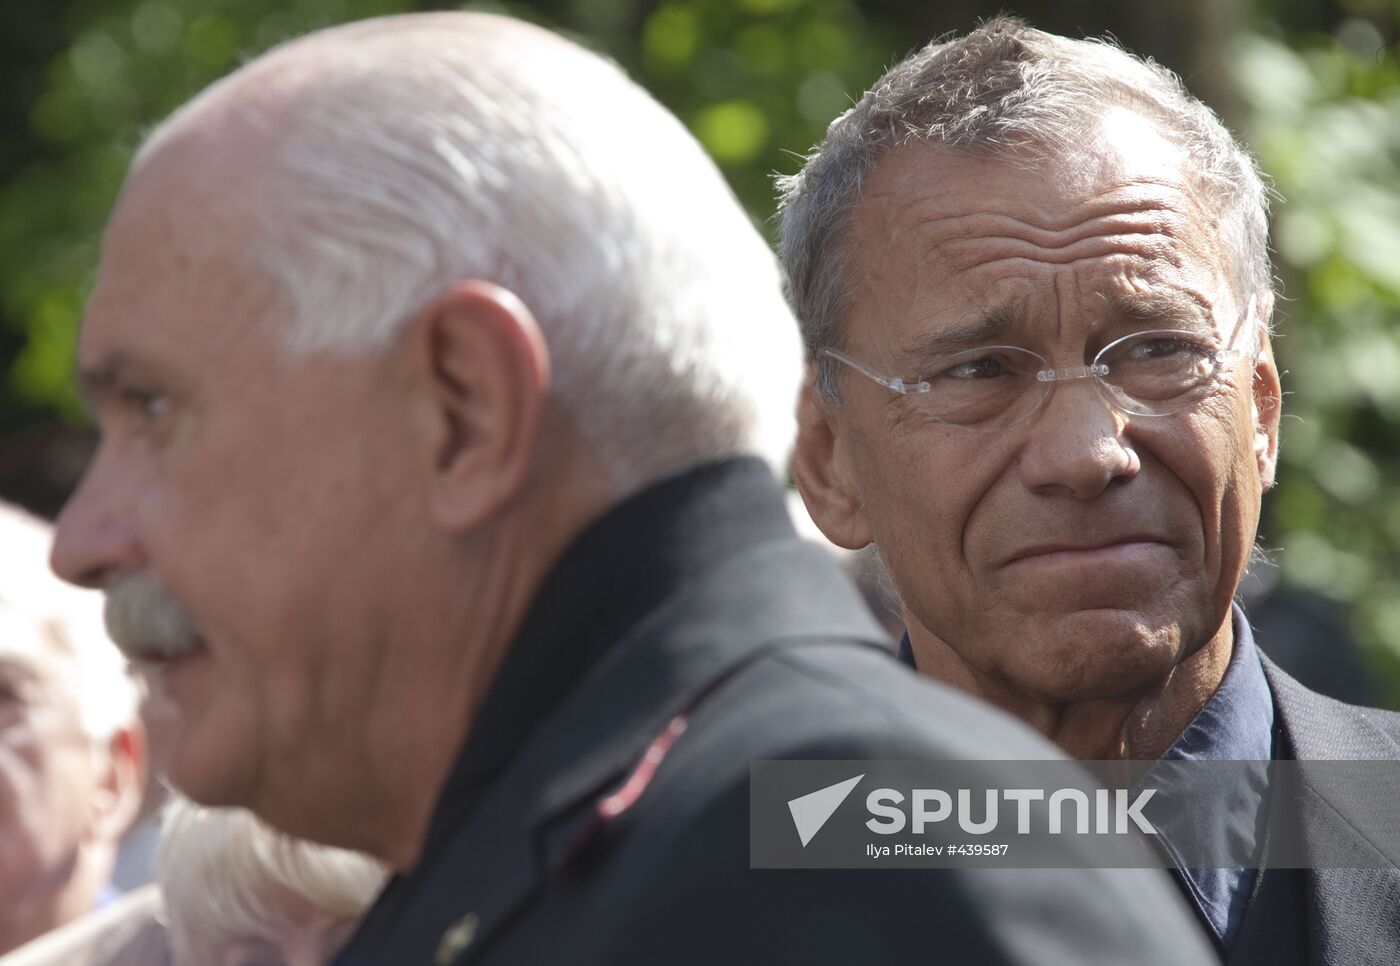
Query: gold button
point(457, 938)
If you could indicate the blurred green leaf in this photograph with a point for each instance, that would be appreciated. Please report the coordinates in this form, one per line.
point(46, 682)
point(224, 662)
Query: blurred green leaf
point(734, 132)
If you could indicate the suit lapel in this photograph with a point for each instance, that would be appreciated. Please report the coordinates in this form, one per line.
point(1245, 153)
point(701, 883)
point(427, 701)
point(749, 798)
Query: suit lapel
point(1275, 923)
point(1353, 914)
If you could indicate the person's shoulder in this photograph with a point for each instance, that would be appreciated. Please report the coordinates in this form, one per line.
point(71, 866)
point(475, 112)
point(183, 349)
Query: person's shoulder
point(128, 932)
point(1321, 727)
point(846, 699)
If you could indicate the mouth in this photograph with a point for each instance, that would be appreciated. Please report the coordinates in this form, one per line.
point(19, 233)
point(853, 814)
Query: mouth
point(160, 655)
point(169, 676)
point(1119, 549)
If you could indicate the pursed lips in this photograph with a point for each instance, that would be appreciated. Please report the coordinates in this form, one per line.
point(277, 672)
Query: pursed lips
point(150, 656)
point(1105, 548)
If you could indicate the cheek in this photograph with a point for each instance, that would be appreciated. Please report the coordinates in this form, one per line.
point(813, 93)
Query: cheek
point(41, 801)
point(244, 522)
point(922, 499)
point(901, 492)
point(1214, 458)
point(20, 797)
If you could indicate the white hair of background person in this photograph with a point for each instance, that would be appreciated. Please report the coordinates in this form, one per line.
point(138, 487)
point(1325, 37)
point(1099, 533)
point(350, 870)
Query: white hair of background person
point(36, 603)
point(659, 301)
point(1060, 90)
point(224, 874)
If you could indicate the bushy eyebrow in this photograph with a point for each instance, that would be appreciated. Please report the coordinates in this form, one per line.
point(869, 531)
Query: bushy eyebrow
point(991, 325)
point(986, 326)
point(1167, 308)
point(100, 381)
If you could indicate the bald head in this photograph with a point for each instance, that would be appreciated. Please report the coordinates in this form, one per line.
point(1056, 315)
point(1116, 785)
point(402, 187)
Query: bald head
point(246, 115)
point(365, 168)
point(383, 321)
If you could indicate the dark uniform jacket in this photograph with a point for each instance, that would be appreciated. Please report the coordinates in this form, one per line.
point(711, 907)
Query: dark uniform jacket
point(598, 813)
point(1327, 917)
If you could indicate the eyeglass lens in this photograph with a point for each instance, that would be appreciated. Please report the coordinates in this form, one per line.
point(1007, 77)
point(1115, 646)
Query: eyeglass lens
point(1148, 373)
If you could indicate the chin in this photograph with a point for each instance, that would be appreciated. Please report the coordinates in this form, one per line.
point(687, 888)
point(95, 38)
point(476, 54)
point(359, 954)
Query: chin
point(1095, 658)
point(209, 772)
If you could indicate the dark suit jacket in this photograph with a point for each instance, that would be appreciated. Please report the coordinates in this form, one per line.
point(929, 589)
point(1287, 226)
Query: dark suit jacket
point(768, 654)
point(1326, 917)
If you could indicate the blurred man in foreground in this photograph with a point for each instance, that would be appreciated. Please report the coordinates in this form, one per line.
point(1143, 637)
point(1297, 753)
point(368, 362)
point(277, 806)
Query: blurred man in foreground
point(72, 752)
point(1033, 279)
point(434, 363)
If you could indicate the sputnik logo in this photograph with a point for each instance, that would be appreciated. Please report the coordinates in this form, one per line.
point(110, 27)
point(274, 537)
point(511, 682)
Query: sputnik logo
point(811, 811)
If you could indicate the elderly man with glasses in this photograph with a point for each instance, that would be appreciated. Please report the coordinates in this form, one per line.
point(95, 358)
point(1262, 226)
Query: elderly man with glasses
point(1033, 281)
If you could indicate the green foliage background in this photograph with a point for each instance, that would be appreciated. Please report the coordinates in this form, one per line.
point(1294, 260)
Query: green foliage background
point(1323, 114)
point(1314, 85)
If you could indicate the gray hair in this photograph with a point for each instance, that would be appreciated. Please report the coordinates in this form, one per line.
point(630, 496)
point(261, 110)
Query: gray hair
point(225, 874)
point(1003, 86)
point(64, 622)
point(426, 150)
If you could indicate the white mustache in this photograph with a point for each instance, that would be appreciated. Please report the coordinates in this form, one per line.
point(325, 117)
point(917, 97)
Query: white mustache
point(145, 621)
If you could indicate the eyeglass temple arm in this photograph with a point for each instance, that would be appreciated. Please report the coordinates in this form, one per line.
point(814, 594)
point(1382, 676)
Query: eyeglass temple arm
point(889, 382)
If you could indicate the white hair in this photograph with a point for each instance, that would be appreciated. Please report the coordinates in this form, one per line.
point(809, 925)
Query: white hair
point(65, 622)
point(1004, 87)
point(224, 874)
point(432, 148)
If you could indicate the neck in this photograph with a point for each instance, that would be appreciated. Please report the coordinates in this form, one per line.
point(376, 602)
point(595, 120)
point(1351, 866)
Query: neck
point(1142, 724)
point(468, 651)
point(444, 659)
point(60, 896)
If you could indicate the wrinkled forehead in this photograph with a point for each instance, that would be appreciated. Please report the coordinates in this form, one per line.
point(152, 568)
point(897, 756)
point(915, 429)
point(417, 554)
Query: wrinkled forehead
point(179, 275)
point(1113, 229)
point(1125, 164)
point(192, 202)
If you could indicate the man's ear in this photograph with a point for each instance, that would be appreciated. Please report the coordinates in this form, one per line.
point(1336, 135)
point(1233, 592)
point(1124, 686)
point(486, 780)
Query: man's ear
point(831, 497)
point(1267, 410)
point(122, 763)
point(482, 359)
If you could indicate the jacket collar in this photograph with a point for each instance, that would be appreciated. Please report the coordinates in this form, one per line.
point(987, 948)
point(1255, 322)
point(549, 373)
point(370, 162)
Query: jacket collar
point(615, 573)
point(749, 586)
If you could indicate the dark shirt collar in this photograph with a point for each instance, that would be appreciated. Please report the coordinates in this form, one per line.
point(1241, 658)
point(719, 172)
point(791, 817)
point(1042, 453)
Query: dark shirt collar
point(618, 570)
point(1236, 724)
point(904, 653)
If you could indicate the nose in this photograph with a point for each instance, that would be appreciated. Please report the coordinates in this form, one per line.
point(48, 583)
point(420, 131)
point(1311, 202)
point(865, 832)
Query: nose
point(1076, 444)
point(95, 536)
